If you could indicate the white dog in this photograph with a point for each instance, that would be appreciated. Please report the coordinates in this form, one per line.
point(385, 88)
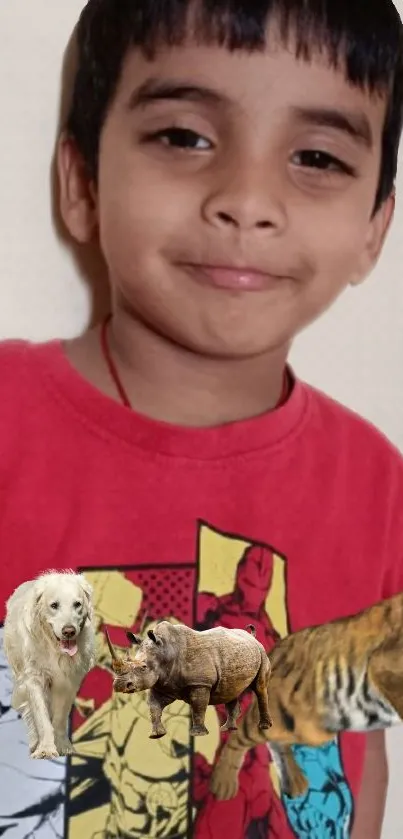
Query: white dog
point(49, 642)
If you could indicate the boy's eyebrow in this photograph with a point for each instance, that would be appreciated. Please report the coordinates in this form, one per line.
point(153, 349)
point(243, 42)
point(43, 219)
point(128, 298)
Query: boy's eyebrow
point(156, 90)
point(355, 124)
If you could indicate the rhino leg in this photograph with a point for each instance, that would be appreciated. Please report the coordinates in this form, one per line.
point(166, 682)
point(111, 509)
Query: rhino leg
point(156, 703)
point(199, 698)
point(233, 710)
point(261, 688)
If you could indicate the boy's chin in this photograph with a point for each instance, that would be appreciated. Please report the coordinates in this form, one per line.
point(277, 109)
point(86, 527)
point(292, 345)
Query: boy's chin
point(235, 347)
point(239, 337)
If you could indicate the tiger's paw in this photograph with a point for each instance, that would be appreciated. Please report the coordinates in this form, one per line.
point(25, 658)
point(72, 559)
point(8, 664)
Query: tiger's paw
point(223, 783)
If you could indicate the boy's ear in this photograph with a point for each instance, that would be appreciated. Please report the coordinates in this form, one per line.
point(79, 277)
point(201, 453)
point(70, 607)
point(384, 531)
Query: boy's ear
point(377, 232)
point(77, 195)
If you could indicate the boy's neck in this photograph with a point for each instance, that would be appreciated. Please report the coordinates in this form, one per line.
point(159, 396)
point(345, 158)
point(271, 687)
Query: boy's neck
point(169, 383)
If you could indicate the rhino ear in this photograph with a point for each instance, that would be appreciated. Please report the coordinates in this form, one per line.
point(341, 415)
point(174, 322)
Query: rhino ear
point(154, 637)
point(134, 639)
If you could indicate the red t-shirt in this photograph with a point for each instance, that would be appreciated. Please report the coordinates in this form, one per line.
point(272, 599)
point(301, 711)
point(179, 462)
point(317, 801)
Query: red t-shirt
point(286, 520)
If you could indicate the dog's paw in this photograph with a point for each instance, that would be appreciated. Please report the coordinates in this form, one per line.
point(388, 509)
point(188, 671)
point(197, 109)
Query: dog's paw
point(45, 751)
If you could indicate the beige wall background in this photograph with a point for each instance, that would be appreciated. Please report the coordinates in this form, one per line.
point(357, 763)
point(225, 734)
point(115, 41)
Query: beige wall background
point(355, 352)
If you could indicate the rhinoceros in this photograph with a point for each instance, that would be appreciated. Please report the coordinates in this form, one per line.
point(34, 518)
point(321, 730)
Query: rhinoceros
point(210, 667)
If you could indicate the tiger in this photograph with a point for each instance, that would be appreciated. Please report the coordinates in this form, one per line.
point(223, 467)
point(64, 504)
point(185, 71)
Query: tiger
point(343, 675)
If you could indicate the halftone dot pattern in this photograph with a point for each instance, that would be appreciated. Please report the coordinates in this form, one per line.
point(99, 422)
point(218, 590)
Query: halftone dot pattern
point(167, 591)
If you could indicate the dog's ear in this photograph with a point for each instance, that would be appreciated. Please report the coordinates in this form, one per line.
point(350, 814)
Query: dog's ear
point(88, 591)
point(38, 591)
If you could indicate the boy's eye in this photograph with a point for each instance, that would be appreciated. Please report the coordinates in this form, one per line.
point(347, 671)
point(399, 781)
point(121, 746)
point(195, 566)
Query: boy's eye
point(181, 138)
point(312, 159)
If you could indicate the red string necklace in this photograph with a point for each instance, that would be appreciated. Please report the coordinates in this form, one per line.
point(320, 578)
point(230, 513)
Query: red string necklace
point(111, 365)
point(118, 383)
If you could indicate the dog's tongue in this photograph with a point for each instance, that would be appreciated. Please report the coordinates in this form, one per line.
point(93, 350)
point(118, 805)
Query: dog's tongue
point(69, 647)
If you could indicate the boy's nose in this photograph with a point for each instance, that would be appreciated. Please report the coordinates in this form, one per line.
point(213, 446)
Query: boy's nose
point(246, 202)
point(236, 220)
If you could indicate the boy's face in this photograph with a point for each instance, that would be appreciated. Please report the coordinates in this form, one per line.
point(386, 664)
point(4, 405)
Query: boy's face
point(235, 194)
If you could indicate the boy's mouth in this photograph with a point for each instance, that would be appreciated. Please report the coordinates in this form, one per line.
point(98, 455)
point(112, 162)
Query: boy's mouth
point(233, 278)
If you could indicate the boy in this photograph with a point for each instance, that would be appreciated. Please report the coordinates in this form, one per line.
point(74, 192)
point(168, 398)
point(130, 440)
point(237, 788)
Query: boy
point(236, 163)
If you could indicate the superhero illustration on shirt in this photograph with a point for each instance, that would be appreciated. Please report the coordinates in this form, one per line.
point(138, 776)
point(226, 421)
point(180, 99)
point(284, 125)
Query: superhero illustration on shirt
point(119, 783)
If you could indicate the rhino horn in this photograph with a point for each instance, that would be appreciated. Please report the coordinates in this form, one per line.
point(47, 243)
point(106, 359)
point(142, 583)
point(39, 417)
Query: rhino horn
point(108, 641)
point(118, 665)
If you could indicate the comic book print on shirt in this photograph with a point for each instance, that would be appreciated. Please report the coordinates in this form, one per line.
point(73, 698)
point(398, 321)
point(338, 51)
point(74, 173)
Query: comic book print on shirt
point(120, 783)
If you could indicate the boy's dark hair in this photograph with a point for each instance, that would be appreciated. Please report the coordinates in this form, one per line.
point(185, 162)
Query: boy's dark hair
point(364, 37)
